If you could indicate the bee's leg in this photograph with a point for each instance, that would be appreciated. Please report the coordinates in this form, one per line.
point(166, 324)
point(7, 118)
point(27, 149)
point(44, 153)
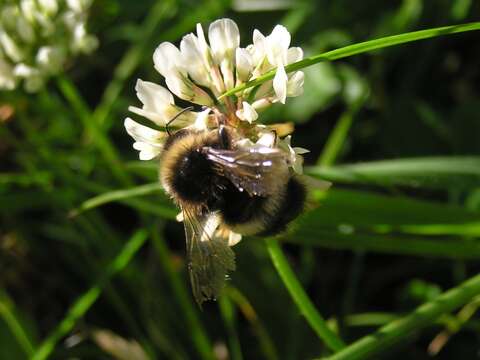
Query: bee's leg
point(276, 137)
point(224, 137)
point(169, 122)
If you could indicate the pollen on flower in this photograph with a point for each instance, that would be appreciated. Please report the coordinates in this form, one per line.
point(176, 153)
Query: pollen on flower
point(200, 70)
point(37, 38)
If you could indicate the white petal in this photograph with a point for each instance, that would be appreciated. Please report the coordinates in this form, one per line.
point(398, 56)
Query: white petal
point(50, 58)
point(153, 96)
point(267, 139)
point(234, 238)
point(294, 54)
point(147, 151)
point(299, 150)
point(298, 165)
point(224, 38)
point(247, 113)
point(177, 85)
point(28, 9)
point(143, 133)
point(244, 64)
point(295, 84)
point(259, 47)
point(180, 217)
point(193, 58)
point(167, 58)
point(10, 47)
point(25, 30)
point(25, 71)
point(78, 5)
point(244, 143)
point(201, 122)
point(280, 84)
point(49, 6)
point(277, 45)
point(155, 117)
point(7, 79)
point(202, 42)
point(82, 41)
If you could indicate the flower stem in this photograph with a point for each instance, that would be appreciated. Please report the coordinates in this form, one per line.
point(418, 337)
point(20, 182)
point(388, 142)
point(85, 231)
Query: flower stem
point(400, 329)
point(300, 297)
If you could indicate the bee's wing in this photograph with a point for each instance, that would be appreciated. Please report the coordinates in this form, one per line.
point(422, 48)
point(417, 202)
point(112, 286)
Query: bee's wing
point(255, 170)
point(209, 256)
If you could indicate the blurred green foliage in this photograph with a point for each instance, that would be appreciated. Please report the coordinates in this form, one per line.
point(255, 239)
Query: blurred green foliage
point(395, 130)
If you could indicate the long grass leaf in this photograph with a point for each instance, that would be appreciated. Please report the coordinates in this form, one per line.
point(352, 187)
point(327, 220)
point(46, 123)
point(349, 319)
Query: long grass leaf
point(360, 48)
point(431, 172)
point(119, 195)
point(300, 297)
point(196, 329)
point(85, 301)
point(14, 324)
point(400, 330)
point(441, 247)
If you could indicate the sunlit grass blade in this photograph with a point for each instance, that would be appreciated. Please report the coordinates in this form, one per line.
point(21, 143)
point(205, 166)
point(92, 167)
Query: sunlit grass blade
point(119, 195)
point(400, 330)
point(360, 48)
point(85, 301)
point(306, 307)
point(14, 324)
point(433, 172)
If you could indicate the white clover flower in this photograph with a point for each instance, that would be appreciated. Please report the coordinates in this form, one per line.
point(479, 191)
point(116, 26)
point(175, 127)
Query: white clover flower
point(200, 72)
point(38, 36)
point(295, 154)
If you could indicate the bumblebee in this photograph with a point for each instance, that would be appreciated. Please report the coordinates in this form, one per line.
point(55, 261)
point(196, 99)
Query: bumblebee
point(223, 187)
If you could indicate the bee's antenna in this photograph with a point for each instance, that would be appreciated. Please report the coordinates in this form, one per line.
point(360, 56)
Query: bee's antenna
point(175, 117)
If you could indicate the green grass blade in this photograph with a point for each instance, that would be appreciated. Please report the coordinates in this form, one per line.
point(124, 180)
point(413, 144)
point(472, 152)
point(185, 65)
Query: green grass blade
point(197, 332)
point(388, 244)
point(14, 324)
point(431, 172)
point(266, 344)
point(360, 48)
point(400, 330)
point(119, 195)
point(228, 312)
point(300, 297)
point(85, 302)
point(83, 112)
point(364, 210)
point(338, 136)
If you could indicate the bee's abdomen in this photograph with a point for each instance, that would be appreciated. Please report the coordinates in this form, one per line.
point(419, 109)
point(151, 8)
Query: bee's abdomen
point(288, 208)
point(238, 207)
point(255, 215)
